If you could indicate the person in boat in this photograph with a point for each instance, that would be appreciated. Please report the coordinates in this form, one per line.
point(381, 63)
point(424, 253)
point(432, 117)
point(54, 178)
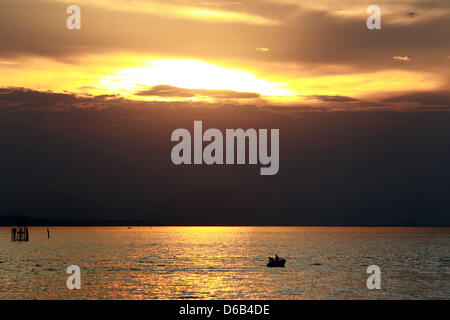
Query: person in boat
point(276, 258)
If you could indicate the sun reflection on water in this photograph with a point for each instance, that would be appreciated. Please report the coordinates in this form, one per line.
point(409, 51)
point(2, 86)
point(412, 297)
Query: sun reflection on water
point(224, 263)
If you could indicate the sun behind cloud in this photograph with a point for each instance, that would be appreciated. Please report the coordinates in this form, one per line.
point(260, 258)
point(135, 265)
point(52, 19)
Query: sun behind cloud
point(191, 74)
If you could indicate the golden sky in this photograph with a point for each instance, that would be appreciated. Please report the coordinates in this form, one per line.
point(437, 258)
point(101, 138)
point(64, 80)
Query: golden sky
point(264, 52)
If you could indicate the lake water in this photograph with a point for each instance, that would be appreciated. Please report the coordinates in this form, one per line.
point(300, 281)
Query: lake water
point(226, 263)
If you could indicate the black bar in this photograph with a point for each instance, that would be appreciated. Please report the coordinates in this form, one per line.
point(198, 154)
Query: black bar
point(232, 309)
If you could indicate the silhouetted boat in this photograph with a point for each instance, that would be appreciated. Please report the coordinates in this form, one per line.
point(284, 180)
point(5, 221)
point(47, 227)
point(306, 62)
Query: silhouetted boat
point(277, 262)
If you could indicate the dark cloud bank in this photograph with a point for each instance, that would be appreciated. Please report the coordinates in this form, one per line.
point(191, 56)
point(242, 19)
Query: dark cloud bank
point(167, 91)
point(104, 158)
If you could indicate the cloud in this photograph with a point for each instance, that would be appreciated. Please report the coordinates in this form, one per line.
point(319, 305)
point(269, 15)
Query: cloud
point(401, 58)
point(311, 37)
point(20, 99)
point(25, 97)
point(8, 63)
point(436, 98)
point(14, 100)
point(207, 11)
point(168, 91)
point(326, 98)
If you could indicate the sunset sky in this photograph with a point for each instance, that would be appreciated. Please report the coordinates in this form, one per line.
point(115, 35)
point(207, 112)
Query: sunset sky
point(264, 52)
point(86, 115)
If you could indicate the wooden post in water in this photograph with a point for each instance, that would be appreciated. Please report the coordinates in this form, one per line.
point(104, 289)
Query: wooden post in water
point(20, 233)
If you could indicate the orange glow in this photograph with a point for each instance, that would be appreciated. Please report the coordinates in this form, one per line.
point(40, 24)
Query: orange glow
point(126, 75)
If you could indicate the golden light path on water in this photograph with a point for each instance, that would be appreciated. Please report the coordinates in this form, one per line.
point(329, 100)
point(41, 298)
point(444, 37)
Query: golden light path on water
point(226, 263)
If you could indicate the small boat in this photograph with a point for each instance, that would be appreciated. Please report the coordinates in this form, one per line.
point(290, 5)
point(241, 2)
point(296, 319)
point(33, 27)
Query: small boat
point(276, 262)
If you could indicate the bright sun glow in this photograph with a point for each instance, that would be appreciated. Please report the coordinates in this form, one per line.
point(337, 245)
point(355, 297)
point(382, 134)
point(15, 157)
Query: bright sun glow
point(126, 75)
point(190, 74)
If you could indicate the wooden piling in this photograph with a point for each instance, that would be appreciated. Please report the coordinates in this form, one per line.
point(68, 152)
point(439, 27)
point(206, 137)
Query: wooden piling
point(20, 234)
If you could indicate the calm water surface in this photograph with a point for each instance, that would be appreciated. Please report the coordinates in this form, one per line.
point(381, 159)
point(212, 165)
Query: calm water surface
point(226, 263)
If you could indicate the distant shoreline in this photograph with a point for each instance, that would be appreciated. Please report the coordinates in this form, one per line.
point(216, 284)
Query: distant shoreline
point(11, 221)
